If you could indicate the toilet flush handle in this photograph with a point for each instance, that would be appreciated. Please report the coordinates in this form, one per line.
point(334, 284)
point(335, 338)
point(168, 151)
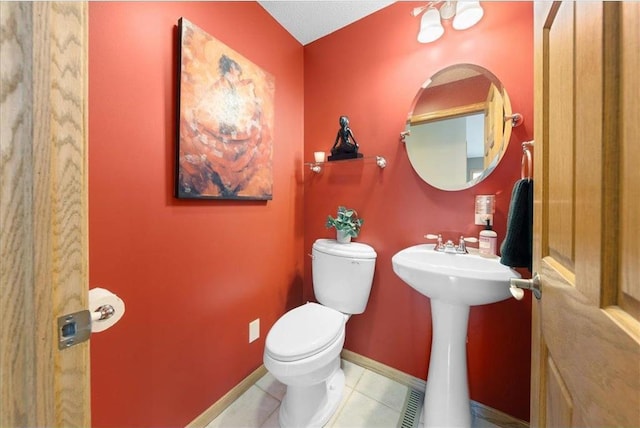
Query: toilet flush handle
point(311, 255)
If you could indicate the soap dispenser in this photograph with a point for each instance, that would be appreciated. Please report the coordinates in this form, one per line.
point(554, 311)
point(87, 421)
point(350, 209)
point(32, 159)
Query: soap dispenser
point(488, 242)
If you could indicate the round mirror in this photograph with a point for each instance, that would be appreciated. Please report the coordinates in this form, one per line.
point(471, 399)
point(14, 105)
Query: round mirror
point(459, 127)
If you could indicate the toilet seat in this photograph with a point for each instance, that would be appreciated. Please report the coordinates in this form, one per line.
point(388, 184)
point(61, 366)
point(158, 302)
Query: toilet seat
point(304, 331)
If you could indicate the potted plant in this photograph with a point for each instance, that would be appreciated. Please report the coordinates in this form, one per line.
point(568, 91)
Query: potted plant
point(347, 224)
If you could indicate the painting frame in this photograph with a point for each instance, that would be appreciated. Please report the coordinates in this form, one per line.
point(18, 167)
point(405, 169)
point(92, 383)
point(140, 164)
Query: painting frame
point(225, 121)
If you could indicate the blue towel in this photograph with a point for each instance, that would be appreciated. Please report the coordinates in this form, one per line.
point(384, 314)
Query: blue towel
point(517, 247)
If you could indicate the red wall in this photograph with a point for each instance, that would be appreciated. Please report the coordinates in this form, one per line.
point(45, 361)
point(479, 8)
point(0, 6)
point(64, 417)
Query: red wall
point(193, 274)
point(371, 72)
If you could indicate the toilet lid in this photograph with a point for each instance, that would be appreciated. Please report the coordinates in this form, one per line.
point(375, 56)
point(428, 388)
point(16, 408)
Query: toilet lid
point(304, 331)
point(356, 250)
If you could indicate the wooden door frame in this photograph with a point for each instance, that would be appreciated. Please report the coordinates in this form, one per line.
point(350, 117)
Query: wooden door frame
point(537, 347)
point(44, 212)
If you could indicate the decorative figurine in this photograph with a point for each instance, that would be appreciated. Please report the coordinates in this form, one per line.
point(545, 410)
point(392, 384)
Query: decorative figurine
point(345, 146)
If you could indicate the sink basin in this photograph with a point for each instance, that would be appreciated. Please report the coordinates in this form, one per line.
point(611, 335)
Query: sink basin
point(466, 279)
point(453, 282)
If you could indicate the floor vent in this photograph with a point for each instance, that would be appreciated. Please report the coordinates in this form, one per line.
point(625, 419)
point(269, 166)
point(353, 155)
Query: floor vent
point(412, 409)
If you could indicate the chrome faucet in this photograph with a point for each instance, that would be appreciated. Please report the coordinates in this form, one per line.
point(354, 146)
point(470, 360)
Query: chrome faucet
point(449, 246)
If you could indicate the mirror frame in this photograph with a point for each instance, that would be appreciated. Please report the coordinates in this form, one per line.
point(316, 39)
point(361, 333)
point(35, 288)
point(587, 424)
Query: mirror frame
point(458, 111)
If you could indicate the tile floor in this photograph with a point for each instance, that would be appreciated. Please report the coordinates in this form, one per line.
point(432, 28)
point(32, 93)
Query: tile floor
point(369, 401)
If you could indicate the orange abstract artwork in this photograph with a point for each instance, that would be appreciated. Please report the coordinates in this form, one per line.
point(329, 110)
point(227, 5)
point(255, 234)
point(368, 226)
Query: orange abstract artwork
point(226, 116)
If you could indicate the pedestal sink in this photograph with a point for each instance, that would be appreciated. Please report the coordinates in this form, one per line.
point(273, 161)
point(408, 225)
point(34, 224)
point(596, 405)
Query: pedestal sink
point(453, 282)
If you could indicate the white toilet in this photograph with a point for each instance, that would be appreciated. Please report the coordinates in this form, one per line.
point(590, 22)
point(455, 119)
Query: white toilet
point(303, 347)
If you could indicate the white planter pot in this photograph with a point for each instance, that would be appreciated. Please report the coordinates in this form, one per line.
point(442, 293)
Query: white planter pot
point(343, 237)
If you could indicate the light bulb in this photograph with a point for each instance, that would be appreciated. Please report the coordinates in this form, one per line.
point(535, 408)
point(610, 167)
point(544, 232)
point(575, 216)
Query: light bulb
point(468, 13)
point(430, 26)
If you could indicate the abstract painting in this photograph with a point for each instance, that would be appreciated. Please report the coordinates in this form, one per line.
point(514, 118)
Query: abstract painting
point(225, 121)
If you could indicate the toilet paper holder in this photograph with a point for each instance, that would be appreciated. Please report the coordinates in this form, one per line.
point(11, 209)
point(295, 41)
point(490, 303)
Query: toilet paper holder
point(104, 312)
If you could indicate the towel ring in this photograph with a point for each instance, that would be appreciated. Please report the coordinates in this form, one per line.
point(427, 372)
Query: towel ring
point(525, 170)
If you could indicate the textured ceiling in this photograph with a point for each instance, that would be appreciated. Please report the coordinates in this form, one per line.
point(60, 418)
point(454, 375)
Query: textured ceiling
point(312, 19)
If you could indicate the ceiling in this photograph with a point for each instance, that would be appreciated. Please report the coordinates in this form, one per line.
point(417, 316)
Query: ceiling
point(310, 20)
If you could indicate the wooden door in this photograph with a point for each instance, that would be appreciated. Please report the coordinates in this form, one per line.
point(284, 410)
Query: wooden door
point(586, 330)
point(43, 212)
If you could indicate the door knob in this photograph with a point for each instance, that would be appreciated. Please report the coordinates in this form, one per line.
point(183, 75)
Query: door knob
point(519, 285)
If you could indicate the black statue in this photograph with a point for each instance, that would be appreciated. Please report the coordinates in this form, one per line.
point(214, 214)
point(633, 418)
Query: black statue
point(345, 146)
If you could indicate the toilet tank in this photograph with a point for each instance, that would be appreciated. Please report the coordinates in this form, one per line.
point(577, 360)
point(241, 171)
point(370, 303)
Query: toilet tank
point(342, 274)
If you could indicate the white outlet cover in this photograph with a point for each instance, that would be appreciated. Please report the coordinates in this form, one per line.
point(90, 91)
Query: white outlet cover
point(254, 330)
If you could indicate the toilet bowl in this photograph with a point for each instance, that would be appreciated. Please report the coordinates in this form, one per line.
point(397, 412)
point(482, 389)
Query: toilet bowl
point(303, 347)
point(303, 352)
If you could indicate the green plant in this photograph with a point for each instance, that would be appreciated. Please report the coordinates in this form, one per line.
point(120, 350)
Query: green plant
point(346, 221)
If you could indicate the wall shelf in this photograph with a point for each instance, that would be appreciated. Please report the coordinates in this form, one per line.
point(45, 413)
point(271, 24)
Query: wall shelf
point(317, 166)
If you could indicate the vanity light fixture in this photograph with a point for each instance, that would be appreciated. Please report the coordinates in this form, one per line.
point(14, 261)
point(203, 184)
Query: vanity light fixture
point(465, 15)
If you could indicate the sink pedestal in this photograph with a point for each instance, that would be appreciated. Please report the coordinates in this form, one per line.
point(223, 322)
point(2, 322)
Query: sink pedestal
point(446, 400)
point(453, 282)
